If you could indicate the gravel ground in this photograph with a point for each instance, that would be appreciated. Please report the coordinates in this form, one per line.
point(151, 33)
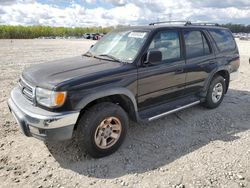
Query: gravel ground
point(192, 148)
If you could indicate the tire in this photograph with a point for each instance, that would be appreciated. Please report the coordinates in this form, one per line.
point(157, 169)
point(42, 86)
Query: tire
point(210, 101)
point(102, 122)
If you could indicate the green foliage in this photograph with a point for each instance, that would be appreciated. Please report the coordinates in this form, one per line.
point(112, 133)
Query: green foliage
point(30, 32)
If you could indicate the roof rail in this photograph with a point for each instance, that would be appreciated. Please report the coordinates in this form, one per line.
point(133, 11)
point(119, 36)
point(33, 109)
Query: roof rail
point(205, 24)
point(184, 22)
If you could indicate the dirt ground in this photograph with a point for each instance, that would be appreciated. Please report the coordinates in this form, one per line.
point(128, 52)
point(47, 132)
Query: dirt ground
point(196, 147)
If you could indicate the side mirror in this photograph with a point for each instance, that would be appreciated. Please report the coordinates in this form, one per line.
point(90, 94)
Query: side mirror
point(154, 57)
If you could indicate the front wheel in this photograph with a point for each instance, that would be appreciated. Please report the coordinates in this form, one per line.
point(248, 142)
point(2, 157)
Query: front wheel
point(215, 92)
point(102, 129)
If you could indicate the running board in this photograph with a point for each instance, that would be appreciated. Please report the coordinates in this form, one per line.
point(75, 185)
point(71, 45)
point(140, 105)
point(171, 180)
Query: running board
point(173, 111)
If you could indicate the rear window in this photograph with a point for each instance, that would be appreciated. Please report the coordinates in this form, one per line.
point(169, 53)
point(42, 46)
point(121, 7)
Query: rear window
point(223, 39)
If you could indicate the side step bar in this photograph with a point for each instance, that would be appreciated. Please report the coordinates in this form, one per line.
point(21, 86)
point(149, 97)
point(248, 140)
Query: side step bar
point(173, 111)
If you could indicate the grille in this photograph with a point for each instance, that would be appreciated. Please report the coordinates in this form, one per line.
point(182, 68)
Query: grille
point(27, 90)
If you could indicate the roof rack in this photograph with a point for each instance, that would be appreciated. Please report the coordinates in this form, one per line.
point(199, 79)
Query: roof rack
point(205, 24)
point(186, 23)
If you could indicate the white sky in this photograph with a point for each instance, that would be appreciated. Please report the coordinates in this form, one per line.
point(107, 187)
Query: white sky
point(72, 13)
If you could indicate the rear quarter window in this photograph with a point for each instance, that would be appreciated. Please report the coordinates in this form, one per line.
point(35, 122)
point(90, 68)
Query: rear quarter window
point(223, 39)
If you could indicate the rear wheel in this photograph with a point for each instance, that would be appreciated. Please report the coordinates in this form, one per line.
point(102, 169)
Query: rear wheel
point(215, 92)
point(102, 129)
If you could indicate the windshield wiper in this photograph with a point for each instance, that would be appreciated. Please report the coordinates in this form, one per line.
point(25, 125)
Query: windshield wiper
point(88, 54)
point(111, 57)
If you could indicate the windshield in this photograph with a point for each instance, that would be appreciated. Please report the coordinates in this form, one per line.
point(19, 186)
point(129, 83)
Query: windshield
point(121, 45)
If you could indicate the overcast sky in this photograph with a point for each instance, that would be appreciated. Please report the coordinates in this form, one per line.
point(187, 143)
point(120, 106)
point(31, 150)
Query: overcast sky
point(72, 13)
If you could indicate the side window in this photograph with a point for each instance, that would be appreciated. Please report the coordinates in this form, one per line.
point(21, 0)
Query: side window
point(223, 39)
point(196, 44)
point(168, 43)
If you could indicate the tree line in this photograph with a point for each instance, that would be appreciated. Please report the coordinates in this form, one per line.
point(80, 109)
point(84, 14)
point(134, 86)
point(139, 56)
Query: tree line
point(238, 28)
point(30, 32)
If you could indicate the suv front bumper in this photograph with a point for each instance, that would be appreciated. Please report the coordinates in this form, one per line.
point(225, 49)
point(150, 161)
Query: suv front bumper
point(40, 123)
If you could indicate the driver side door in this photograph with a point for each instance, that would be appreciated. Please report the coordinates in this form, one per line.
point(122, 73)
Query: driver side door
point(164, 81)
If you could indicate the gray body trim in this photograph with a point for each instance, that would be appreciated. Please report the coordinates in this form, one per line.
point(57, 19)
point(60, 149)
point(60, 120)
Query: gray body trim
point(109, 92)
point(209, 79)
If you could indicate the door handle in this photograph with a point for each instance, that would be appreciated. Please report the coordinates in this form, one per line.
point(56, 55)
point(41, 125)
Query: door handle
point(212, 62)
point(179, 71)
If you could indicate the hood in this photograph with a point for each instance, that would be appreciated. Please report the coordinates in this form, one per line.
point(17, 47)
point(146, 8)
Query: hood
point(49, 75)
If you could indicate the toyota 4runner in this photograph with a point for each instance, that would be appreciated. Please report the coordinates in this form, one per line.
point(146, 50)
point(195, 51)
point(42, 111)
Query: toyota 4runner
point(138, 73)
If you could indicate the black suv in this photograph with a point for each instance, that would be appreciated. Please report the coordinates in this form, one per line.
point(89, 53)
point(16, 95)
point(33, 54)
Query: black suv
point(138, 73)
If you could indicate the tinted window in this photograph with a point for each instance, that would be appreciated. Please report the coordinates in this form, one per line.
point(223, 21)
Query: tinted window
point(168, 43)
point(196, 44)
point(206, 46)
point(223, 39)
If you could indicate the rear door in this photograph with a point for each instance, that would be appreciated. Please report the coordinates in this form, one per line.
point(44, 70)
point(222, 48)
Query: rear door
point(164, 81)
point(200, 59)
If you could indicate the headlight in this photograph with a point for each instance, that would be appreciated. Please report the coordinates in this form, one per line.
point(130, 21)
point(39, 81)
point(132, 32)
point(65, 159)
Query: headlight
point(50, 98)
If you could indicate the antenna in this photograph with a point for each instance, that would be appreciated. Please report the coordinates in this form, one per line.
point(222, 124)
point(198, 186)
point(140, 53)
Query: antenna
point(170, 16)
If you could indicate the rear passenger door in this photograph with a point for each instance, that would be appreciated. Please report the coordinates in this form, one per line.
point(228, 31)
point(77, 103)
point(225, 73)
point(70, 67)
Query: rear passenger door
point(200, 59)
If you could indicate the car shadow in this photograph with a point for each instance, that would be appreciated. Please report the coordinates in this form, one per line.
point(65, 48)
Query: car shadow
point(154, 145)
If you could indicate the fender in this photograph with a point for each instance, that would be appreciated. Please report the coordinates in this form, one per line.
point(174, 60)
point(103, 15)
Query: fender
point(209, 79)
point(105, 93)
